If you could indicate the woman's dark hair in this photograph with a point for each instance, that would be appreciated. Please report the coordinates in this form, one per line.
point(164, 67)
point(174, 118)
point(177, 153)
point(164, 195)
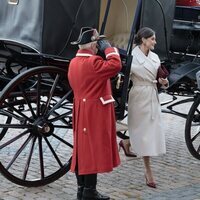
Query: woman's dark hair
point(144, 32)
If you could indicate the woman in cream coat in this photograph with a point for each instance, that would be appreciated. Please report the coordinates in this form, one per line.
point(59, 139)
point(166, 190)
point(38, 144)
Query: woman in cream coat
point(144, 111)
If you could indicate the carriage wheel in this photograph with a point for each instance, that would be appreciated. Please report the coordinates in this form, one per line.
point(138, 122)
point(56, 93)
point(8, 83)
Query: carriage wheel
point(36, 149)
point(192, 128)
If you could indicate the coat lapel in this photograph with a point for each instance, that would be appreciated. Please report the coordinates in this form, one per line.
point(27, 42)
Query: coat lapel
point(150, 62)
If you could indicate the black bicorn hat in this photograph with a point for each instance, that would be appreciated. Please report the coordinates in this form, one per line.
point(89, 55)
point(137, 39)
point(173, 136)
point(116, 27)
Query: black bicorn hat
point(87, 35)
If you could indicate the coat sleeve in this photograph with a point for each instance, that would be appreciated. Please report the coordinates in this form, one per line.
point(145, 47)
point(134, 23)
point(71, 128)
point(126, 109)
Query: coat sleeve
point(109, 67)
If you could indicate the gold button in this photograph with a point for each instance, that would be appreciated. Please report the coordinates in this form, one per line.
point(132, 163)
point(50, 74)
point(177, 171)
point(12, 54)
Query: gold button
point(84, 100)
point(84, 129)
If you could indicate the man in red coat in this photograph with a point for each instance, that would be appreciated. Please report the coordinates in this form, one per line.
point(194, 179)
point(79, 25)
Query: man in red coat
point(95, 147)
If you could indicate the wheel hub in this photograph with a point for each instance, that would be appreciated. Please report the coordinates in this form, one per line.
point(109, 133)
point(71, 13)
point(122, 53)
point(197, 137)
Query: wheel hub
point(42, 127)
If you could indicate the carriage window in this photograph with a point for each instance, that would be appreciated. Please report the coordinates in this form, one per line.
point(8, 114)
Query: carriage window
point(13, 2)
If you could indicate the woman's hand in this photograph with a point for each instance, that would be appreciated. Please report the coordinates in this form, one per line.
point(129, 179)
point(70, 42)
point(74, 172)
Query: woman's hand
point(163, 81)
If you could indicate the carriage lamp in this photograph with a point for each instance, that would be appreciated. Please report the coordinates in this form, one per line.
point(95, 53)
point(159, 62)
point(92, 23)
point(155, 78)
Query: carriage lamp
point(13, 2)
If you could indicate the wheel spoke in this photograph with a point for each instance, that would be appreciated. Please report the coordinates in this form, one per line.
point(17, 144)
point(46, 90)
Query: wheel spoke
point(19, 151)
point(51, 93)
point(13, 139)
point(61, 117)
point(58, 104)
point(10, 114)
point(198, 150)
point(197, 110)
point(17, 111)
point(62, 126)
point(27, 101)
point(29, 159)
point(16, 126)
point(41, 157)
point(65, 142)
point(195, 137)
point(38, 95)
point(53, 152)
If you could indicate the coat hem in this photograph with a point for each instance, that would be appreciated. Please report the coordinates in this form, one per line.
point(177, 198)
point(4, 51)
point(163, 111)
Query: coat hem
point(151, 155)
point(96, 171)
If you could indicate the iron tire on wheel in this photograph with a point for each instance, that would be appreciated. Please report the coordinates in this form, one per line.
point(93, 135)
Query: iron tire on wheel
point(192, 128)
point(36, 146)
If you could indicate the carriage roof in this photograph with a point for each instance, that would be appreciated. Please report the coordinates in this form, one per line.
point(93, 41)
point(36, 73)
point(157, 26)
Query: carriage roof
point(48, 26)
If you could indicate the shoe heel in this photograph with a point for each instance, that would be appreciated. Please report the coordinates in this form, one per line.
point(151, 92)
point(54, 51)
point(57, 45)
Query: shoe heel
point(127, 154)
point(150, 184)
point(119, 148)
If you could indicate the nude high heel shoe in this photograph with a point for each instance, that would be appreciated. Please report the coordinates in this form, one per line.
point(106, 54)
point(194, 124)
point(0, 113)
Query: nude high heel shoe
point(150, 184)
point(128, 154)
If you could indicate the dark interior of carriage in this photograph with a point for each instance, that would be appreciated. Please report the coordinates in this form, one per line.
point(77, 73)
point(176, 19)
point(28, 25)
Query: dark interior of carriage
point(185, 48)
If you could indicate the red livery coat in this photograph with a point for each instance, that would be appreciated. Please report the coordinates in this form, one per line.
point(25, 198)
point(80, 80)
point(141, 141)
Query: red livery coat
point(95, 146)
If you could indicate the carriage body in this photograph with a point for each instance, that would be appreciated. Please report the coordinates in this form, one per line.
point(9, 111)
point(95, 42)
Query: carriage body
point(35, 51)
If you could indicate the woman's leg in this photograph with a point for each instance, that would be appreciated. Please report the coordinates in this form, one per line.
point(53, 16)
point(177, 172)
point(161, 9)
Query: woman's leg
point(125, 145)
point(148, 171)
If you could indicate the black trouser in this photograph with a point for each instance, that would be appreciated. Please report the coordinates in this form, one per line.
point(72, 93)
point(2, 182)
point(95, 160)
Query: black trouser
point(87, 180)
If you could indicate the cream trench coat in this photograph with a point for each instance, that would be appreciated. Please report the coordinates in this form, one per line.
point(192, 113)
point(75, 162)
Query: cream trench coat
point(144, 110)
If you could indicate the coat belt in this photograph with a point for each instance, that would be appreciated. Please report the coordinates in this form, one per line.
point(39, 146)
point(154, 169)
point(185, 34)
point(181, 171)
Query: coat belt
point(146, 83)
point(152, 84)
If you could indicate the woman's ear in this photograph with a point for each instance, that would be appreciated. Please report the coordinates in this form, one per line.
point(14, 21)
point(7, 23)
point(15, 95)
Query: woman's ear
point(143, 40)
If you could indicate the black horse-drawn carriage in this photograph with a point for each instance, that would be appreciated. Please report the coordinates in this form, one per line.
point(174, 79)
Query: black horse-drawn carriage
point(36, 99)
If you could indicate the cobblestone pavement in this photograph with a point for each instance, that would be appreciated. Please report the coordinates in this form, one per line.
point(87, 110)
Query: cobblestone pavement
point(177, 175)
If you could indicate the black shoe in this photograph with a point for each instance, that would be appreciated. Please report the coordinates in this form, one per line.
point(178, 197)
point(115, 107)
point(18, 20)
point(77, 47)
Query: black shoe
point(93, 194)
point(80, 192)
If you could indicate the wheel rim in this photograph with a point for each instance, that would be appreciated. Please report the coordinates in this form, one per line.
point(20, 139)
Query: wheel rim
point(192, 129)
point(5, 120)
point(37, 146)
